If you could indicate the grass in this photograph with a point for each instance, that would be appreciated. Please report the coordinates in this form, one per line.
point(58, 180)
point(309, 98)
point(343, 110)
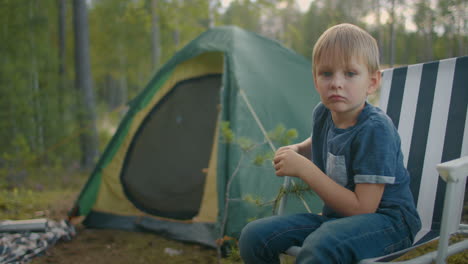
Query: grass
point(55, 195)
point(46, 195)
point(461, 258)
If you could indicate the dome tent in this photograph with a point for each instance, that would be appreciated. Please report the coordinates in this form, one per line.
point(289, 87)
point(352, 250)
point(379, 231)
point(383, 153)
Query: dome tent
point(167, 169)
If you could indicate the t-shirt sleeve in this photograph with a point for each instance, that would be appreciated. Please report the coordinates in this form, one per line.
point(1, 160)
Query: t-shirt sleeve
point(375, 156)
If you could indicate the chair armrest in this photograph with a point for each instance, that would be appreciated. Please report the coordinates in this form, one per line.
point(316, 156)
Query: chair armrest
point(454, 170)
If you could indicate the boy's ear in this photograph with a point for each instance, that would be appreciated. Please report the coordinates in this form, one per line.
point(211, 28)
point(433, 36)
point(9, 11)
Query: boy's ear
point(374, 82)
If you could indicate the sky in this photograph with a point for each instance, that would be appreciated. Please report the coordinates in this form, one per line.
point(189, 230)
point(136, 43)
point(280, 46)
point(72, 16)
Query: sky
point(304, 6)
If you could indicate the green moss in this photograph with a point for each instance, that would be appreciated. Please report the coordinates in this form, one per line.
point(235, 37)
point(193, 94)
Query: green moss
point(460, 258)
point(21, 203)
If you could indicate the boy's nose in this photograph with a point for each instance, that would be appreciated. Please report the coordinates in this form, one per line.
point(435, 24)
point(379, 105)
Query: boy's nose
point(337, 82)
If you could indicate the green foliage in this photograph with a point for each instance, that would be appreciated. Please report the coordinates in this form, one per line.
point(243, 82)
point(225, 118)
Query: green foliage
point(258, 201)
point(16, 164)
point(282, 135)
point(279, 135)
point(459, 258)
point(25, 203)
point(44, 188)
point(23, 151)
point(251, 219)
point(233, 255)
point(31, 101)
point(246, 144)
point(295, 189)
point(243, 14)
point(14, 203)
point(261, 158)
point(226, 132)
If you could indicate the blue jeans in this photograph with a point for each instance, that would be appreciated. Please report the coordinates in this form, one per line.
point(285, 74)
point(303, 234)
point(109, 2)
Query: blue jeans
point(323, 239)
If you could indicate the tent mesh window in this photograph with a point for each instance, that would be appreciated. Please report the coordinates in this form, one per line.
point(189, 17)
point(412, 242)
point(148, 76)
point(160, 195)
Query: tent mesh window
point(175, 140)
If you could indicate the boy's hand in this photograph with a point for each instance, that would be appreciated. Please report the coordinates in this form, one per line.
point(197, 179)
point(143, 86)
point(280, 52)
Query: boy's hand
point(293, 147)
point(288, 162)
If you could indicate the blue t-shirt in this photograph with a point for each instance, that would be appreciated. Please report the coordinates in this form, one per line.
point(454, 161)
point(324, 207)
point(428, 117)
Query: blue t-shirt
point(368, 152)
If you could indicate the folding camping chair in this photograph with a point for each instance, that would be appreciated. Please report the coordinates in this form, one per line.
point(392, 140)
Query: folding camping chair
point(428, 104)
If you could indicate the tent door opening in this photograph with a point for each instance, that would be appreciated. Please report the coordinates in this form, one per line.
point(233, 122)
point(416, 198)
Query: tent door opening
point(163, 170)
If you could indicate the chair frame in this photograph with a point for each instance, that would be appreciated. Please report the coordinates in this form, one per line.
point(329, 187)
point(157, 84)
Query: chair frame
point(452, 172)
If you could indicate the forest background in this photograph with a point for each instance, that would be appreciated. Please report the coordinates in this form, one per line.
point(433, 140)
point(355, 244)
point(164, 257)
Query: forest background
point(68, 68)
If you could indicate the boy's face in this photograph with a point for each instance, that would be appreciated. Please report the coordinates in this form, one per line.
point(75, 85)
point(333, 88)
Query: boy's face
point(343, 89)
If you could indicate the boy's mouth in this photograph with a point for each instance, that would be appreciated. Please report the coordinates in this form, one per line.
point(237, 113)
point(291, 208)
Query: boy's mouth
point(335, 97)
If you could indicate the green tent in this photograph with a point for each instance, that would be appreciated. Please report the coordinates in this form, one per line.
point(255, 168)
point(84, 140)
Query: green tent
point(169, 169)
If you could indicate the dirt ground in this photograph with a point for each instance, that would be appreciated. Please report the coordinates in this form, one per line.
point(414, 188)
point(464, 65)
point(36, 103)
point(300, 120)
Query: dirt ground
point(119, 247)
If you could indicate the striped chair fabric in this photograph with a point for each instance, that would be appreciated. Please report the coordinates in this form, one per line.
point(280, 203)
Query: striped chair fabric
point(428, 105)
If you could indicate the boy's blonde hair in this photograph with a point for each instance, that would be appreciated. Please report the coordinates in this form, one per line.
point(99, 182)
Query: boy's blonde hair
point(341, 43)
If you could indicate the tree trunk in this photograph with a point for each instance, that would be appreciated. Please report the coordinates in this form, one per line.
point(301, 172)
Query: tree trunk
point(62, 36)
point(176, 36)
point(462, 27)
point(123, 86)
point(62, 18)
point(430, 33)
point(83, 82)
point(155, 35)
point(211, 13)
point(392, 35)
point(37, 118)
point(380, 31)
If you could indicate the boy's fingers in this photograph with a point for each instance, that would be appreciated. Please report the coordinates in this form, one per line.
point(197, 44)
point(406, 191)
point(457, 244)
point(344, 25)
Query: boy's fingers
point(279, 173)
point(276, 159)
point(279, 165)
point(282, 149)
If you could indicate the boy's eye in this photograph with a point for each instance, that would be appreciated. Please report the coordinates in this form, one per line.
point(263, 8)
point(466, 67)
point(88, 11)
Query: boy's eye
point(327, 73)
point(350, 74)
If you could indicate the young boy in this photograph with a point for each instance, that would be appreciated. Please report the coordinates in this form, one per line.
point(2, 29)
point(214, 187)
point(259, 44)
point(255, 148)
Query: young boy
point(356, 168)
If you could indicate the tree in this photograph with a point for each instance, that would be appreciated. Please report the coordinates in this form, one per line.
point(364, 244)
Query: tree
point(314, 23)
point(424, 20)
point(451, 17)
point(181, 21)
point(62, 15)
point(392, 33)
point(121, 49)
point(87, 116)
point(155, 35)
point(244, 14)
point(37, 53)
point(213, 5)
point(379, 35)
point(280, 21)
